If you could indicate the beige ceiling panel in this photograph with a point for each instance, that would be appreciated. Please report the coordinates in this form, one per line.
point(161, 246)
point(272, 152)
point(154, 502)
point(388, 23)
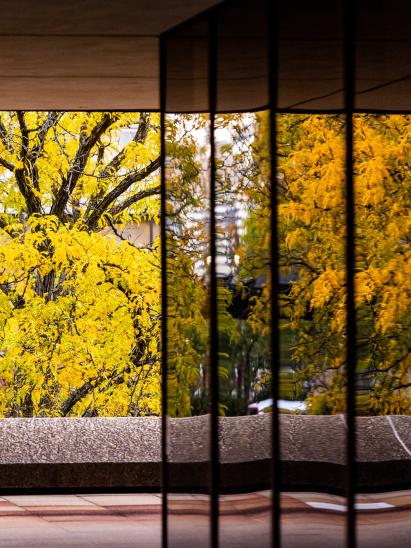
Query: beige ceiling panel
point(78, 56)
point(72, 93)
point(78, 72)
point(85, 54)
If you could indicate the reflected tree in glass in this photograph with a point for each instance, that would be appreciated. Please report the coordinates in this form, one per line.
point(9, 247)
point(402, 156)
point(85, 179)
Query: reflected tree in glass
point(383, 263)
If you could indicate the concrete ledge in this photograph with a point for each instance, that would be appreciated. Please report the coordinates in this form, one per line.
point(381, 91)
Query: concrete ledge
point(121, 454)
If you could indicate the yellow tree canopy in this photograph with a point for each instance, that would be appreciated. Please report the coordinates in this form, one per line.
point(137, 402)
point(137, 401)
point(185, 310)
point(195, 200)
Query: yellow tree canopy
point(79, 308)
point(312, 230)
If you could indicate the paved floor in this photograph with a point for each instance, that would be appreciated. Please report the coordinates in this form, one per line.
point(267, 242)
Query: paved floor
point(309, 520)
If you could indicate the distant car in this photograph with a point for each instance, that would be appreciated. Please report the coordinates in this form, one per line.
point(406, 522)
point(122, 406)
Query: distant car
point(284, 406)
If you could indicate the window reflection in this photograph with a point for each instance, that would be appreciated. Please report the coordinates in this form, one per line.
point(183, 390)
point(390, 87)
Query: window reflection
point(187, 244)
point(312, 296)
point(383, 294)
point(244, 319)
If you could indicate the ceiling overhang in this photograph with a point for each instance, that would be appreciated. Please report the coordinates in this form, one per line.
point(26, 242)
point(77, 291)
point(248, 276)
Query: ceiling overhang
point(85, 54)
point(104, 55)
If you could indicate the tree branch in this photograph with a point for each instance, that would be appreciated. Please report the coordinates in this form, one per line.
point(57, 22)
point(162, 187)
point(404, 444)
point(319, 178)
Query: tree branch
point(3, 137)
point(6, 164)
point(24, 134)
point(33, 202)
point(76, 171)
point(35, 153)
point(122, 187)
point(139, 137)
point(134, 198)
point(114, 165)
point(50, 122)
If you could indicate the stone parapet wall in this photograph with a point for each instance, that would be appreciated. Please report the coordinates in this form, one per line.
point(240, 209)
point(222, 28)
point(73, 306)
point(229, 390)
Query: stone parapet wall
point(124, 453)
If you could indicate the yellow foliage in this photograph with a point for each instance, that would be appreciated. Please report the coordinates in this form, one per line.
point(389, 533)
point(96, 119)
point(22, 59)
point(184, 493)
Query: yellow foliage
point(312, 232)
point(79, 309)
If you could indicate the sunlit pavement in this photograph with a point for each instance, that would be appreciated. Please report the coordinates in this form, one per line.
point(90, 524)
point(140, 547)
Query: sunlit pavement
point(133, 520)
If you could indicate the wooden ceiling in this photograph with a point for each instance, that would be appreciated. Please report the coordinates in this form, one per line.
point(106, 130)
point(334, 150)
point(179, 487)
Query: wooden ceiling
point(85, 54)
point(104, 55)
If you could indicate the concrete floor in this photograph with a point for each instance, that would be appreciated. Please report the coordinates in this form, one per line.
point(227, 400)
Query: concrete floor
point(133, 520)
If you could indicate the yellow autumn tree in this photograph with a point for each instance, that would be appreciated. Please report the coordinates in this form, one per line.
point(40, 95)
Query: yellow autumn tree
point(312, 229)
point(79, 303)
point(383, 267)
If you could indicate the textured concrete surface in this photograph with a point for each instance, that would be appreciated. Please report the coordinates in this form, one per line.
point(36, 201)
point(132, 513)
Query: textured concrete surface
point(313, 438)
point(117, 453)
point(61, 440)
point(189, 439)
point(128, 439)
point(377, 442)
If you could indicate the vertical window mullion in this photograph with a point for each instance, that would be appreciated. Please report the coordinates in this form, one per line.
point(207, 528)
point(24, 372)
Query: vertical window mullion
point(214, 384)
point(349, 82)
point(163, 198)
point(275, 335)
